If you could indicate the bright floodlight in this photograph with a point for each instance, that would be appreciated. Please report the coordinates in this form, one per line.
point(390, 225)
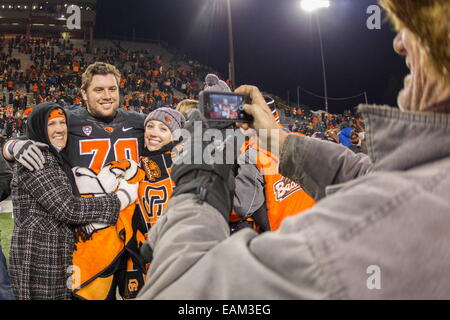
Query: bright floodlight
point(311, 5)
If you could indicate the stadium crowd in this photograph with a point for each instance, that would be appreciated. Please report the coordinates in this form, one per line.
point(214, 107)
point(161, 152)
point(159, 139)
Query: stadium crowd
point(147, 83)
point(55, 74)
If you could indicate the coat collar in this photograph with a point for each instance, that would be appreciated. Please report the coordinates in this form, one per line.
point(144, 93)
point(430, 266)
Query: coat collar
point(399, 140)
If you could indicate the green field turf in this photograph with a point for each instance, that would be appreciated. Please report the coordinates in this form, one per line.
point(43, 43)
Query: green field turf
point(6, 229)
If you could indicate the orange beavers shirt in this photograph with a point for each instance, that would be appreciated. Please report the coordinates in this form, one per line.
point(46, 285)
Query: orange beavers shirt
point(283, 197)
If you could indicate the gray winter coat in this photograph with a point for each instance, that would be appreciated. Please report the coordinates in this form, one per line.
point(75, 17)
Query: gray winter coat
point(380, 231)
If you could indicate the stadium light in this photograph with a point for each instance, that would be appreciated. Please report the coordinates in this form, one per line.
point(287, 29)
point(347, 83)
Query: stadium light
point(231, 47)
point(311, 5)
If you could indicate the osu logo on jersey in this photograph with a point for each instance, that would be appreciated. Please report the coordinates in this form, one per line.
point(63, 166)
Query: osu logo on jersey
point(284, 188)
point(133, 285)
point(109, 129)
point(155, 198)
point(152, 170)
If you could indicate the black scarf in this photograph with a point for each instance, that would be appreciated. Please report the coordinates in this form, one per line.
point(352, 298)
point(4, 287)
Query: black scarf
point(37, 131)
point(166, 148)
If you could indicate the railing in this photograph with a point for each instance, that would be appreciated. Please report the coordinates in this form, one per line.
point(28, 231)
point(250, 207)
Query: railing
point(161, 43)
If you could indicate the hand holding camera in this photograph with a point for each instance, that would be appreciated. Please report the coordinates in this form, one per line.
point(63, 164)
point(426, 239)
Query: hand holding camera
point(270, 135)
point(224, 106)
point(202, 169)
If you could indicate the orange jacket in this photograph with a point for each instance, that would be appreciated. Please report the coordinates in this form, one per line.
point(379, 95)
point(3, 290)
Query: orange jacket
point(76, 66)
point(283, 197)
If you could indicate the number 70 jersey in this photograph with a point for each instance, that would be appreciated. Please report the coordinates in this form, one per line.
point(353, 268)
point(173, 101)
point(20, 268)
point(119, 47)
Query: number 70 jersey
point(92, 142)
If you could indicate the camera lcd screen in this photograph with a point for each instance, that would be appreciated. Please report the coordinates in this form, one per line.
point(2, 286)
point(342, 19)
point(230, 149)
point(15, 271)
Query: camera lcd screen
point(225, 107)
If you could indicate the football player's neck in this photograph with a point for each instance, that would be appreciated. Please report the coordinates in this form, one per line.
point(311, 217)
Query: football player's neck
point(106, 119)
point(102, 118)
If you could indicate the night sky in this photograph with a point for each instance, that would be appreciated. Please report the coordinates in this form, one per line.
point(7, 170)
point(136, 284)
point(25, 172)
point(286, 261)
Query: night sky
point(276, 44)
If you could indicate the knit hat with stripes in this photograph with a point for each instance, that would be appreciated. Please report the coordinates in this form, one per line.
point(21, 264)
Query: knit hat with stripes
point(171, 118)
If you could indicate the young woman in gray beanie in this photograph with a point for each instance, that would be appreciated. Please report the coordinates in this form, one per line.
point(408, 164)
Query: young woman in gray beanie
point(160, 138)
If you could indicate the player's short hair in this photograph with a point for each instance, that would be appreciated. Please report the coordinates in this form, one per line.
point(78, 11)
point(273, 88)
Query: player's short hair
point(101, 68)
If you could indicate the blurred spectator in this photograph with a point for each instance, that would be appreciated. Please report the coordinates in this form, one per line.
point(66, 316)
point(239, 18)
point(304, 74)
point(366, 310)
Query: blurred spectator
point(345, 136)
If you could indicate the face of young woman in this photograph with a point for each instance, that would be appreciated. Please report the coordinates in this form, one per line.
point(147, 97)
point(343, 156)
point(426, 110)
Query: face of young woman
point(157, 135)
point(57, 132)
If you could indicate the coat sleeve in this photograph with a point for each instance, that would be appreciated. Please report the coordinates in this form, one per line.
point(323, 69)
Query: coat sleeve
point(5, 179)
point(195, 258)
point(316, 164)
point(249, 193)
point(51, 189)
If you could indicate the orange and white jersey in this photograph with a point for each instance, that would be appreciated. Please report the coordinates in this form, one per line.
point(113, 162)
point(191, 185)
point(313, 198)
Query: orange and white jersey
point(283, 197)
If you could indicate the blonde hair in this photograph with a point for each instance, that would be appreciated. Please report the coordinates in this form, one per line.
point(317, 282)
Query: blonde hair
point(185, 105)
point(102, 68)
point(428, 21)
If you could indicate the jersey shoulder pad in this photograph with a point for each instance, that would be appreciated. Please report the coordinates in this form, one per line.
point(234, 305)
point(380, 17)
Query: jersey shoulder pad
point(77, 116)
point(133, 118)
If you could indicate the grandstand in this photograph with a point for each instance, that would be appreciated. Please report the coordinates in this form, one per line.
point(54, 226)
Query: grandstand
point(32, 20)
point(57, 57)
point(40, 17)
point(39, 50)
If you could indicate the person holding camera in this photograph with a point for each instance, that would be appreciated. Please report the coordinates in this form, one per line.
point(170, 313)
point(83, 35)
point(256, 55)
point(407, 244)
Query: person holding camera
point(380, 229)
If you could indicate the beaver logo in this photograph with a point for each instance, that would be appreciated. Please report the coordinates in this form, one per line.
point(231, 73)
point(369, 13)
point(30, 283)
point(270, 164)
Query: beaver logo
point(152, 170)
point(109, 129)
point(284, 188)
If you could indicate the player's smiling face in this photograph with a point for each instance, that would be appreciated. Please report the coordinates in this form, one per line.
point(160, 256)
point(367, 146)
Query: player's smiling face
point(157, 135)
point(102, 96)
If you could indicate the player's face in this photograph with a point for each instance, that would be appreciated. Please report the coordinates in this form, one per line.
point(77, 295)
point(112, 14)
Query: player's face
point(102, 96)
point(57, 132)
point(157, 135)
